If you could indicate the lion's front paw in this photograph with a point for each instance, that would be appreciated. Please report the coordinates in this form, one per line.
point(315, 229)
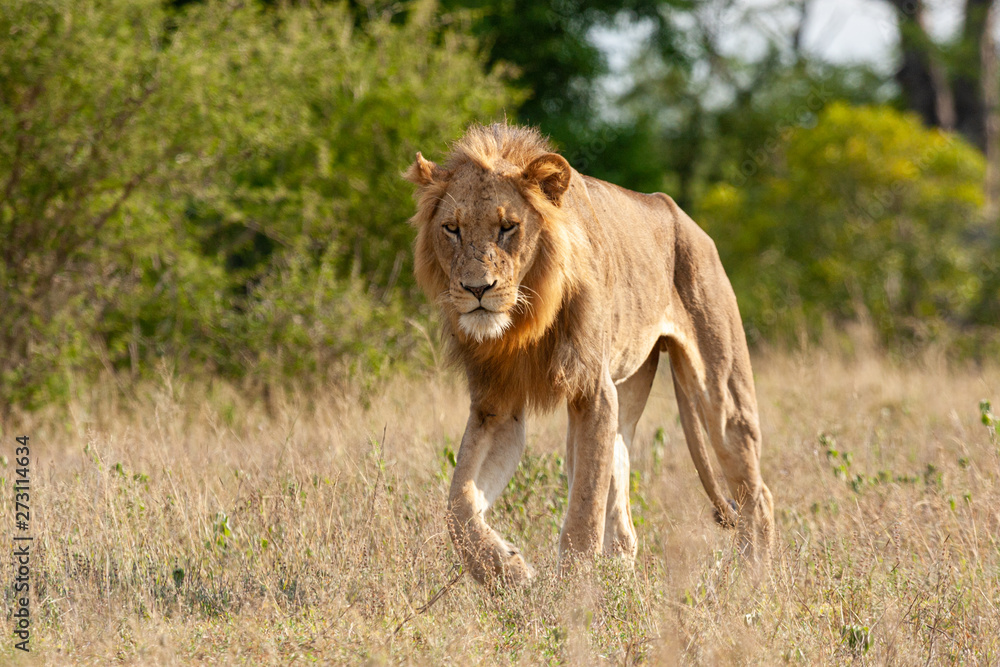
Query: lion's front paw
point(505, 566)
point(517, 571)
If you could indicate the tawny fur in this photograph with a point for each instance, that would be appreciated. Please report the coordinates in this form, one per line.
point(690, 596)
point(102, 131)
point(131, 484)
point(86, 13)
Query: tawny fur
point(555, 286)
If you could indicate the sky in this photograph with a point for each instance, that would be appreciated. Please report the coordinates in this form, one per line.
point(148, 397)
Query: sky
point(864, 31)
point(839, 31)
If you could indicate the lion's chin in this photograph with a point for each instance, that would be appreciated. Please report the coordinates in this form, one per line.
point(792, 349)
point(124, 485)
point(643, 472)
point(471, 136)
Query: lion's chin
point(483, 325)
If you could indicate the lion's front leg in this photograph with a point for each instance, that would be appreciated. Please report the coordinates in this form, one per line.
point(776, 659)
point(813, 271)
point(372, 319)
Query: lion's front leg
point(593, 426)
point(491, 449)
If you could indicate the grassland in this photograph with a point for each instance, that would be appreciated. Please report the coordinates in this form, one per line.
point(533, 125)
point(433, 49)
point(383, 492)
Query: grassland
point(188, 526)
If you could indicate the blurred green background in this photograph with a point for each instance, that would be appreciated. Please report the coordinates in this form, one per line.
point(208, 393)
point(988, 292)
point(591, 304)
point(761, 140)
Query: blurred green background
point(213, 188)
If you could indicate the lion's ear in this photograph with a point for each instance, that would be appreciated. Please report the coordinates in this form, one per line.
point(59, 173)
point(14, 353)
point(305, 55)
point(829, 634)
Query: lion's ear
point(424, 172)
point(551, 172)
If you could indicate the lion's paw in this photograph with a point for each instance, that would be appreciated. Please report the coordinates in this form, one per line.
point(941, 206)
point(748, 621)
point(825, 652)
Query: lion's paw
point(517, 571)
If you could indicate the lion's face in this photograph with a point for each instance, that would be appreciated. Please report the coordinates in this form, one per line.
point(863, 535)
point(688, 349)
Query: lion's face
point(479, 236)
point(485, 235)
point(488, 248)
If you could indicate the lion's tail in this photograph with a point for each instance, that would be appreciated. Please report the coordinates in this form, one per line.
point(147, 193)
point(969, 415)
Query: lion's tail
point(725, 509)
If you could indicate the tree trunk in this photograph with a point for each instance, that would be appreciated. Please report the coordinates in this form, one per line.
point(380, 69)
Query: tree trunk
point(925, 89)
point(947, 87)
point(991, 116)
point(967, 80)
point(955, 88)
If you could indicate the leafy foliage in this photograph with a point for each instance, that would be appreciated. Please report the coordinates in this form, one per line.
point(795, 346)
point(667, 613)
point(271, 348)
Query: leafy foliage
point(210, 185)
point(866, 215)
point(560, 69)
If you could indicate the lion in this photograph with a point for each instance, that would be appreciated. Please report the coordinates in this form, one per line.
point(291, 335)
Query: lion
point(559, 286)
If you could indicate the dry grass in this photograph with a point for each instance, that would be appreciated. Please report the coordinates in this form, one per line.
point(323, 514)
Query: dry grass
point(189, 527)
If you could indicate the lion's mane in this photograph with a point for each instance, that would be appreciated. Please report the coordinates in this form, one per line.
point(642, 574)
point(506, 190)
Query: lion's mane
point(547, 353)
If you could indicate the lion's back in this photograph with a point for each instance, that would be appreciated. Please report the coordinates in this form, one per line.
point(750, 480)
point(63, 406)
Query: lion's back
point(635, 234)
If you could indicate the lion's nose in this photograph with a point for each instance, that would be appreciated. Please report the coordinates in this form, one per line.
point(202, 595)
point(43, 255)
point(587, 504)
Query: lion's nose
point(478, 290)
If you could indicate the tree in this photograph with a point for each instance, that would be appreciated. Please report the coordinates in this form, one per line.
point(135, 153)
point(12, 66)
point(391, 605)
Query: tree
point(711, 115)
point(955, 85)
point(559, 69)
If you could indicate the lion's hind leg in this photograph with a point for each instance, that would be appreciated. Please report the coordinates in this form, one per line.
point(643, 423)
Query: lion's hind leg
point(619, 531)
point(687, 390)
point(739, 455)
point(719, 397)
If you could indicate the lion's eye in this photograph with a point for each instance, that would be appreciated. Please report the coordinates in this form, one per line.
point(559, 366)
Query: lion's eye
point(451, 229)
point(506, 227)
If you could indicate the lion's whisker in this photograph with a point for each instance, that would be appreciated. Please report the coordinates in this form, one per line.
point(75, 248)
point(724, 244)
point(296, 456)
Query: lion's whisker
point(523, 303)
point(443, 298)
point(527, 289)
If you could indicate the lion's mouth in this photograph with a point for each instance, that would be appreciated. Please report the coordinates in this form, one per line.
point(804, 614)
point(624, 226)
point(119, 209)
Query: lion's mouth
point(482, 324)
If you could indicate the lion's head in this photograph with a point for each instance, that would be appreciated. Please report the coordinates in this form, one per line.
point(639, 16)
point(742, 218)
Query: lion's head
point(490, 247)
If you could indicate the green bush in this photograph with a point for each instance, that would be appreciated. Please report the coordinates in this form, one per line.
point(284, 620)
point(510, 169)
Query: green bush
point(865, 215)
point(218, 186)
point(303, 321)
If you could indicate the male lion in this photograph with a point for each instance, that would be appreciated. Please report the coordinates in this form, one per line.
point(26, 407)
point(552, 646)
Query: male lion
point(558, 285)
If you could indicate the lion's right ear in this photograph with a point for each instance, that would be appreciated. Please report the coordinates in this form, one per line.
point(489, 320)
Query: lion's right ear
point(424, 172)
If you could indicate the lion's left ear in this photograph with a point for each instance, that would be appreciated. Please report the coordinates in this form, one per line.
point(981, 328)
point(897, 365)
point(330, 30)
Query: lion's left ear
point(552, 173)
point(424, 172)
